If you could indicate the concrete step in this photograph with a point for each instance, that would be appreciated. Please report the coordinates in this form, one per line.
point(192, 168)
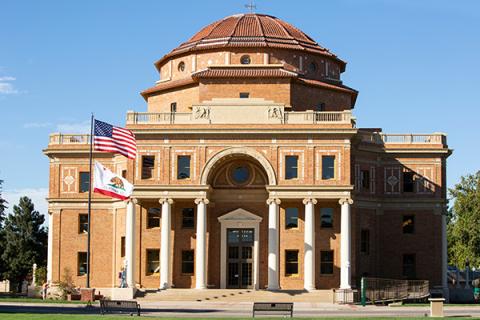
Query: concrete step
point(237, 295)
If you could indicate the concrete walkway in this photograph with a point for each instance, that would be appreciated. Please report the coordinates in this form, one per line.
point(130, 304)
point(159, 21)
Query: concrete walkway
point(240, 309)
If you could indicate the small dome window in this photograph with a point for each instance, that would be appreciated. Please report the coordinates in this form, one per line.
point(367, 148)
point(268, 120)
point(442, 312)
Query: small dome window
point(245, 59)
point(312, 67)
point(181, 66)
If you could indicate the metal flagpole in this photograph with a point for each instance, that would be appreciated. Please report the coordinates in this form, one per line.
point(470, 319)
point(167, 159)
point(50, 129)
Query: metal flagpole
point(89, 201)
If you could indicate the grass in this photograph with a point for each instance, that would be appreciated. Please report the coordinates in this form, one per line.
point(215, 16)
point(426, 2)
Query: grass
point(37, 300)
point(28, 316)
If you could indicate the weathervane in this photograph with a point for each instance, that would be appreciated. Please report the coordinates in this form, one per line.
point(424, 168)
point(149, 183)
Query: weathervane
point(251, 6)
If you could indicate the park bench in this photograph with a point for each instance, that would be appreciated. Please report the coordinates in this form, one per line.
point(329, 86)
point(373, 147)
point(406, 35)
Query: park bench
point(273, 307)
point(119, 306)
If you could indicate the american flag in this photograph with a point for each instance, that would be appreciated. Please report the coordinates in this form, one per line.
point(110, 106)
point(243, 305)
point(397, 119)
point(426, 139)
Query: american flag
point(109, 138)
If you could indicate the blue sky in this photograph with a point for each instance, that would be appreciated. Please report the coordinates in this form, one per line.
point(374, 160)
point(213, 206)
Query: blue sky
point(415, 63)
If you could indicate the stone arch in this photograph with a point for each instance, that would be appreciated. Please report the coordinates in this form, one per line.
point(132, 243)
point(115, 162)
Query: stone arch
point(272, 180)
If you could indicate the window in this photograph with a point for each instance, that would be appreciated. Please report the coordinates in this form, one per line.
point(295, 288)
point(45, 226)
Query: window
point(291, 218)
point(181, 66)
point(187, 261)
point(326, 217)
point(240, 174)
point(365, 179)
point(312, 67)
point(84, 181)
point(153, 261)
point(148, 164)
point(122, 247)
point(83, 223)
point(153, 218)
point(244, 95)
point(173, 107)
point(245, 59)
point(408, 183)
point(188, 218)
point(365, 241)
point(408, 225)
point(291, 262)
point(408, 267)
point(291, 167)
point(81, 263)
point(183, 167)
point(326, 262)
point(320, 107)
point(328, 167)
point(124, 174)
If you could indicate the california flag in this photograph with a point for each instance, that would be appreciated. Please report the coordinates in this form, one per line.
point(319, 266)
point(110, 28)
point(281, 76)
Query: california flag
point(109, 184)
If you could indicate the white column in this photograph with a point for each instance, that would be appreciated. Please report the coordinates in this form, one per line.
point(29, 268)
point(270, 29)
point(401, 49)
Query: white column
point(165, 243)
point(446, 292)
point(345, 244)
point(50, 248)
point(130, 243)
point(309, 244)
point(201, 249)
point(273, 255)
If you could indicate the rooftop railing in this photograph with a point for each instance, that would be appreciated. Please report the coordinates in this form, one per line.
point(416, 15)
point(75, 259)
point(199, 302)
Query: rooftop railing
point(384, 138)
point(60, 138)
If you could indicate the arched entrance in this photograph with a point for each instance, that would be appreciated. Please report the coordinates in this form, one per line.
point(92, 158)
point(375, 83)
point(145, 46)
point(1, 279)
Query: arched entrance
point(238, 217)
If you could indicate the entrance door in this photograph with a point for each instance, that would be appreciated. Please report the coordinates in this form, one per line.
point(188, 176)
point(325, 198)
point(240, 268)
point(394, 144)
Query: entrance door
point(240, 258)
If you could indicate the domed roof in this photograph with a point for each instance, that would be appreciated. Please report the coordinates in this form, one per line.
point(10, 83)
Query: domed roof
point(250, 30)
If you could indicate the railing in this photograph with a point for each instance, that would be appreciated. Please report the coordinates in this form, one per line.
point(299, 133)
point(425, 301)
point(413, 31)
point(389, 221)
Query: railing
point(297, 117)
point(59, 138)
point(383, 138)
point(158, 117)
point(386, 290)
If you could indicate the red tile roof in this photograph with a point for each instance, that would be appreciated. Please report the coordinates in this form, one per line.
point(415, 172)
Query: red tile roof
point(250, 30)
point(244, 72)
point(167, 85)
point(332, 86)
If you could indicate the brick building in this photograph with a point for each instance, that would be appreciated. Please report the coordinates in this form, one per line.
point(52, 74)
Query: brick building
point(251, 173)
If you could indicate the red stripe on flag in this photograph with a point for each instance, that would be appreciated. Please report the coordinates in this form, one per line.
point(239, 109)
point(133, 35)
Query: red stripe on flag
point(110, 194)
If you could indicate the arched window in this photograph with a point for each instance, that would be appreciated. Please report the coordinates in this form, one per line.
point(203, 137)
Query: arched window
point(181, 66)
point(312, 67)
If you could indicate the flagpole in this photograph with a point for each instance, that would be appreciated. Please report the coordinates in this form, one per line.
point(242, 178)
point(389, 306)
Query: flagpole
point(89, 201)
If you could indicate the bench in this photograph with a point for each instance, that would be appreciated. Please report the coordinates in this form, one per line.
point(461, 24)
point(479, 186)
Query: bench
point(273, 307)
point(119, 306)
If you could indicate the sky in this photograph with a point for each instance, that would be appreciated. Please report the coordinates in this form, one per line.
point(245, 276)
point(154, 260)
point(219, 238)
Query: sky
point(416, 64)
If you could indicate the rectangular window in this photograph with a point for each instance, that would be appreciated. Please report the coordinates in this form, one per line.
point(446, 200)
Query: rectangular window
point(328, 167)
point(84, 181)
point(81, 263)
point(408, 181)
point(188, 218)
point(153, 218)
point(183, 167)
point(148, 165)
point(291, 262)
point(408, 268)
point(83, 223)
point(244, 95)
point(365, 179)
point(408, 224)
point(320, 107)
point(122, 247)
point(124, 174)
point(326, 217)
point(326, 262)
point(365, 241)
point(187, 261)
point(153, 262)
point(173, 107)
point(291, 167)
point(291, 218)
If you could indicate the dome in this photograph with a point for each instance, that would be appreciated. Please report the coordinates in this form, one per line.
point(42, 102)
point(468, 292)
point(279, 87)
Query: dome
point(250, 30)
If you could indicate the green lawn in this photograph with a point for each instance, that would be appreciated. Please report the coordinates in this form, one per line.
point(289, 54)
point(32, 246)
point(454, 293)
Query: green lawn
point(37, 300)
point(28, 316)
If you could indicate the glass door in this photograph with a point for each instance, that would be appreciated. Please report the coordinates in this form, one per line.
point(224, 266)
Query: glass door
point(240, 258)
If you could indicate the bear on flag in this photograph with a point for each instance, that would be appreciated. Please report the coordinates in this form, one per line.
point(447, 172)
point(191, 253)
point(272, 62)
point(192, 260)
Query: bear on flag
point(109, 184)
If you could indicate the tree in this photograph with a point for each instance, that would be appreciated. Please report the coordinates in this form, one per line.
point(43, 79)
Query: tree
point(463, 229)
point(3, 207)
point(25, 242)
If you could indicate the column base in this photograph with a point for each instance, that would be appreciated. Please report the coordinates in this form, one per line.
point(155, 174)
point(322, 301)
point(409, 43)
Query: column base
point(201, 288)
point(310, 288)
point(273, 288)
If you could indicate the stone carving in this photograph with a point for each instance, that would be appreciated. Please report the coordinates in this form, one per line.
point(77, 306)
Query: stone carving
point(202, 113)
point(275, 113)
point(69, 180)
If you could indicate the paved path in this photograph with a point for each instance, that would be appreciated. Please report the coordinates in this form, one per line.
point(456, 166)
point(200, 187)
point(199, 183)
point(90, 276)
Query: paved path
point(240, 309)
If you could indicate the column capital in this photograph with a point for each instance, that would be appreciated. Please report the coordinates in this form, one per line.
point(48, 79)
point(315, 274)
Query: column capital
point(345, 200)
point(133, 200)
point(273, 200)
point(307, 200)
point(165, 200)
point(204, 200)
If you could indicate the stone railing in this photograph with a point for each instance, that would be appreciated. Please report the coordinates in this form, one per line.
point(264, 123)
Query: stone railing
point(385, 138)
point(59, 138)
point(205, 116)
